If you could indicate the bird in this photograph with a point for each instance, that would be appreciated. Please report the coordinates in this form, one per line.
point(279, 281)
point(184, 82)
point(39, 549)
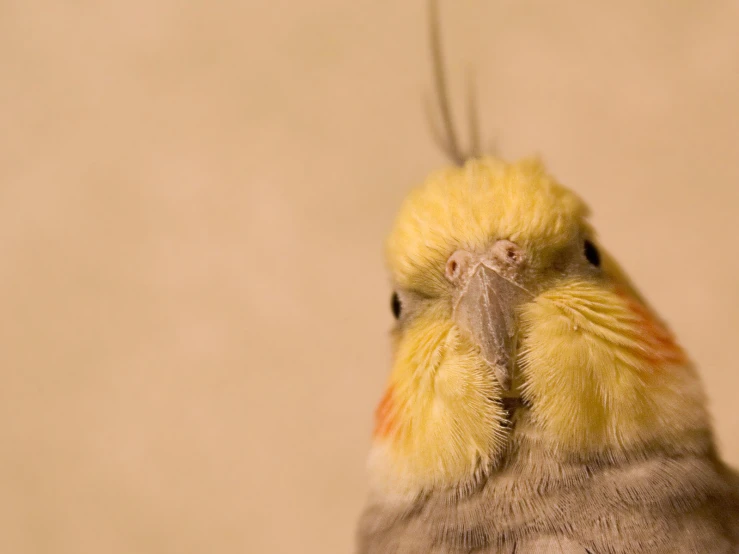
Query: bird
point(536, 402)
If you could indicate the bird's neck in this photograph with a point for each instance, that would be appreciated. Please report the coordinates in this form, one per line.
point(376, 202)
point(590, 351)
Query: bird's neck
point(530, 453)
point(537, 486)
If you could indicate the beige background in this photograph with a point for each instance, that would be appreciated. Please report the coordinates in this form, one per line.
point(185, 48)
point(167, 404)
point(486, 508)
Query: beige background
point(193, 199)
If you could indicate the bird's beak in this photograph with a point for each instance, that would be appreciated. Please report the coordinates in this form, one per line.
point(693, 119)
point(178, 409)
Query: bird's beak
point(487, 291)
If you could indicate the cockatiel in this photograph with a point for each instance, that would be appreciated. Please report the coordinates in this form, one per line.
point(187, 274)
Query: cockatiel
point(536, 403)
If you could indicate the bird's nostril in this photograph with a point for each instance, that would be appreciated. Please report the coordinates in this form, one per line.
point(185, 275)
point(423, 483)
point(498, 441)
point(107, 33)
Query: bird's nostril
point(508, 251)
point(455, 265)
point(452, 269)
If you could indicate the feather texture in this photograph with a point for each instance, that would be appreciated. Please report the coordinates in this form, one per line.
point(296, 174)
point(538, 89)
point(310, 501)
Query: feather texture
point(603, 443)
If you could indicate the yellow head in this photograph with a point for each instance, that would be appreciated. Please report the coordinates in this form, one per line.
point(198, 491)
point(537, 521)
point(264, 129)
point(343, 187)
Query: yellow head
point(503, 293)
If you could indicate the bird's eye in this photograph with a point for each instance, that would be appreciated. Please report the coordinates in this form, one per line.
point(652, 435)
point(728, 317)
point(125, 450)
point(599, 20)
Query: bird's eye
point(592, 254)
point(395, 305)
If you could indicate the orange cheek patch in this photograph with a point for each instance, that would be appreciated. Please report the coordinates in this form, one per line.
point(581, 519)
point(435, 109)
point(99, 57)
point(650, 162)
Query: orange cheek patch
point(384, 416)
point(658, 346)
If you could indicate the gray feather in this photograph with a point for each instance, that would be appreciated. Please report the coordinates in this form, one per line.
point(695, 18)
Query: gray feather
point(680, 500)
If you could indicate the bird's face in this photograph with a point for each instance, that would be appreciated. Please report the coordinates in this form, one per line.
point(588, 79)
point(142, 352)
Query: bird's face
point(503, 296)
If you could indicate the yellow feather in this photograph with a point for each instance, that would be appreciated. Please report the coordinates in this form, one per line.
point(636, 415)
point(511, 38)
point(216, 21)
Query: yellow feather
point(594, 379)
point(469, 207)
point(441, 420)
